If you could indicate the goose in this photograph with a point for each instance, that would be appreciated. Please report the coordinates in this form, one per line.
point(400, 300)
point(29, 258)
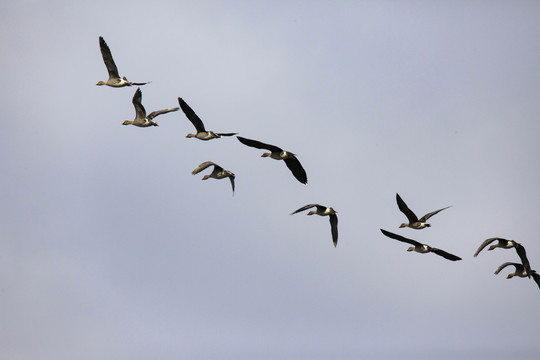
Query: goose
point(278, 154)
point(323, 211)
point(506, 244)
point(201, 134)
point(520, 271)
point(114, 78)
point(141, 119)
point(414, 222)
point(217, 173)
point(421, 248)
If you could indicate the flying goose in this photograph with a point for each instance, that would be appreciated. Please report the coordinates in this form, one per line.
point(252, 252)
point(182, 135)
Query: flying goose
point(217, 173)
point(141, 119)
point(414, 222)
point(520, 271)
point(278, 154)
point(324, 211)
point(201, 134)
point(421, 248)
point(507, 244)
point(114, 78)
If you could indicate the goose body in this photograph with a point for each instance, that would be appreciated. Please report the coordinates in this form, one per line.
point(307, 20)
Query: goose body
point(202, 133)
point(323, 211)
point(419, 247)
point(414, 221)
point(520, 271)
point(217, 173)
point(114, 78)
point(141, 119)
point(277, 153)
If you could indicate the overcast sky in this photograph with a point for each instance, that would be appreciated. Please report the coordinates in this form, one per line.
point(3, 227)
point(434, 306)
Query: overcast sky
point(111, 249)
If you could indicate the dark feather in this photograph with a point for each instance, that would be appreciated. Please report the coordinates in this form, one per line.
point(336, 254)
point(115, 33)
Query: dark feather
point(405, 209)
point(137, 102)
point(108, 59)
point(296, 168)
point(445, 255)
point(523, 256)
point(333, 227)
point(258, 144)
point(190, 114)
point(304, 208)
point(400, 238)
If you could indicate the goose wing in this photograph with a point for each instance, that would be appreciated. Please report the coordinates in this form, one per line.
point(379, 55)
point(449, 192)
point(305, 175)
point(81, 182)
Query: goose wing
point(231, 178)
point(153, 114)
point(523, 256)
point(445, 254)
point(486, 243)
point(226, 134)
point(258, 144)
point(428, 215)
point(536, 278)
point(203, 166)
point(296, 168)
point(140, 112)
point(405, 209)
point(190, 114)
point(108, 59)
point(516, 265)
point(333, 228)
point(139, 83)
point(400, 238)
point(305, 208)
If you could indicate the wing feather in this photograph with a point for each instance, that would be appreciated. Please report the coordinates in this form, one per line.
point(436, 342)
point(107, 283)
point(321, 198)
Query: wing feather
point(516, 265)
point(137, 102)
point(153, 114)
point(296, 168)
point(428, 215)
point(523, 256)
point(405, 210)
point(445, 254)
point(334, 229)
point(190, 114)
point(108, 59)
point(258, 144)
point(202, 166)
point(304, 208)
point(400, 238)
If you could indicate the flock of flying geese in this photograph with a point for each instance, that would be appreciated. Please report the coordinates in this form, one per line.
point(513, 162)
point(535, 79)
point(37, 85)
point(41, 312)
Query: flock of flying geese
point(522, 269)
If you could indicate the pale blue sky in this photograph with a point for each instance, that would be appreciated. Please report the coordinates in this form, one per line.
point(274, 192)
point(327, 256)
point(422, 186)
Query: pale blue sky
point(111, 249)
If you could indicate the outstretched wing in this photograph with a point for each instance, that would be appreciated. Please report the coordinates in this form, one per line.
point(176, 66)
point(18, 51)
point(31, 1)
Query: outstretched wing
point(516, 265)
point(232, 183)
point(108, 59)
point(226, 134)
point(153, 114)
point(400, 238)
point(405, 209)
point(445, 254)
point(484, 244)
point(536, 278)
point(203, 166)
point(296, 168)
point(258, 144)
point(304, 208)
point(333, 228)
point(523, 256)
point(190, 114)
point(138, 84)
point(139, 108)
point(428, 215)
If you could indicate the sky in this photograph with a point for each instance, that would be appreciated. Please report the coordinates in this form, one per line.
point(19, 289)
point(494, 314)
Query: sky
point(110, 248)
